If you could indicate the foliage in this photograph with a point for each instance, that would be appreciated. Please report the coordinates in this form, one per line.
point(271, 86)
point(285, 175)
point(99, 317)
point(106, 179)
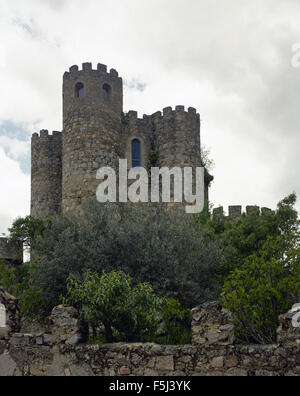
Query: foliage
point(27, 230)
point(241, 239)
point(266, 286)
point(207, 162)
point(149, 243)
point(31, 298)
point(153, 157)
point(31, 302)
point(127, 313)
point(184, 258)
point(177, 322)
point(8, 277)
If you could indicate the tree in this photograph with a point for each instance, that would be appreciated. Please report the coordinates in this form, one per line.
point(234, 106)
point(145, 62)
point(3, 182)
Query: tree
point(8, 277)
point(27, 230)
point(149, 243)
point(241, 239)
point(127, 313)
point(264, 287)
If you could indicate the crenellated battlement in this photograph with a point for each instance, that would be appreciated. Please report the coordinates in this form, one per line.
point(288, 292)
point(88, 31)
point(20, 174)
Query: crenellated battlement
point(167, 111)
point(236, 211)
point(87, 68)
point(179, 110)
point(44, 134)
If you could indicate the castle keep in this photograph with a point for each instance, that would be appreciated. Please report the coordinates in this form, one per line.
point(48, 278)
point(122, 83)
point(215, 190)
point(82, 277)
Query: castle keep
point(97, 133)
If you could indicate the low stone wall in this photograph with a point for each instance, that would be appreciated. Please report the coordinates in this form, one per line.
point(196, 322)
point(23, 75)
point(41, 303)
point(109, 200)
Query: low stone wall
point(213, 352)
point(11, 252)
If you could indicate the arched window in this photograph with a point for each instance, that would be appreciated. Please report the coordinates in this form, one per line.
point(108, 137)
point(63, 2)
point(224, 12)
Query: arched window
point(2, 316)
point(136, 153)
point(79, 90)
point(106, 91)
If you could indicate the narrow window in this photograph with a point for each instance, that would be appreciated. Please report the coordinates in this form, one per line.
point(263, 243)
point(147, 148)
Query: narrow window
point(136, 153)
point(106, 91)
point(79, 90)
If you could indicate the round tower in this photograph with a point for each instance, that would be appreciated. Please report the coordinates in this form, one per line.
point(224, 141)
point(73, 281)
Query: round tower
point(92, 112)
point(178, 137)
point(177, 140)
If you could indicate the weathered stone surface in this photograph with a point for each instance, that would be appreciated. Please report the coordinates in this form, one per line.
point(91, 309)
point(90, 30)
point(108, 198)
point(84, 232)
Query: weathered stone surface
point(4, 332)
point(57, 368)
point(165, 363)
point(48, 339)
point(125, 371)
point(212, 324)
point(23, 355)
point(288, 332)
point(218, 362)
point(151, 373)
point(74, 340)
point(232, 361)
point(7, 366)
point(67, 326)
point(13, 316)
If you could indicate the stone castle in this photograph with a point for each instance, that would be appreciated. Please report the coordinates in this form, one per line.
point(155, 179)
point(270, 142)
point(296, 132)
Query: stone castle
point(97, 133)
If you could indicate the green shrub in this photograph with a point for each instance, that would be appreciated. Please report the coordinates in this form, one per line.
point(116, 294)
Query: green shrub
point(28, 230)
point(127, 313)
point(245, 237)
point(266, 286)
point(8, 278)
point(177, 322)
point(149, 243)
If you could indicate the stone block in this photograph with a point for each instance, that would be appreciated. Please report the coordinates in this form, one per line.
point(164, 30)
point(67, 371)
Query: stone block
point(7, 366)
point(165, 363)
point(218, 362)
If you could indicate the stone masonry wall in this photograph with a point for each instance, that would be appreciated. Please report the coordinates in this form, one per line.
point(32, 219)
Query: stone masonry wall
point(95, 134)
point(213, 352)
point(92, 130)
point(46, 173)
point(11, 252)
point(235, 212)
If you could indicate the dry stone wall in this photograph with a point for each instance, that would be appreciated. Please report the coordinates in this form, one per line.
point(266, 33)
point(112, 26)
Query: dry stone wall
point(213, 353)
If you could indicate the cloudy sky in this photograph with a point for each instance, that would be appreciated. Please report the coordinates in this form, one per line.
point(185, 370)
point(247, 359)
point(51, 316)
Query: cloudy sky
point(231, 59)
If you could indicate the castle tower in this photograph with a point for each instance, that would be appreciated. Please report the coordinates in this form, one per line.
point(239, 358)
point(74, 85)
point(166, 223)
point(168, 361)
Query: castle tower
point(178, 137)
point(92, 112)
point(46, 173)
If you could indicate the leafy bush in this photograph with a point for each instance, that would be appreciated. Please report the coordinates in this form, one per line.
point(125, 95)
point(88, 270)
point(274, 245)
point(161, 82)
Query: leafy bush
point(245, 237)
point(149, 243)
point(266, 286)
point(8, 278)
point(177, 322)
point(27, 230)
point(127, 313)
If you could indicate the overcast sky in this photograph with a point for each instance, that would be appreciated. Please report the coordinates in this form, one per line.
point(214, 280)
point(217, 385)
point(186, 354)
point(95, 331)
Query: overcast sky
point(231, 59)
